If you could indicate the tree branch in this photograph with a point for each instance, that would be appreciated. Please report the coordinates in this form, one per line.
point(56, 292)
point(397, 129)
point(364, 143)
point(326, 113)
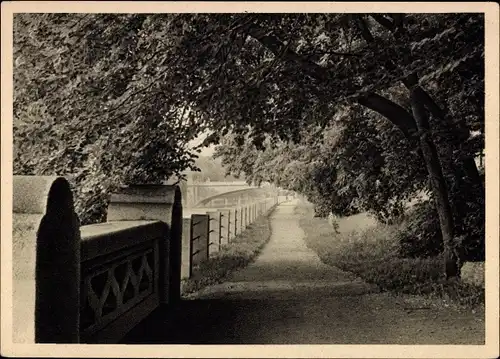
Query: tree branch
point(393, 112)
point(365, 31)
point(276, 47)
point(325, 52)
point(398, 20)
point(382, 20)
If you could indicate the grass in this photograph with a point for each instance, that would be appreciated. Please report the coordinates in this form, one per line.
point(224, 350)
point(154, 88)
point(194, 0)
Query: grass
point(371, 252)
point(237, 254)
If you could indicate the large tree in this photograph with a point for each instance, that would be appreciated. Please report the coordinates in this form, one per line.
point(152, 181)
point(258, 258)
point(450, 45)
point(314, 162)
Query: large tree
point(263, 73)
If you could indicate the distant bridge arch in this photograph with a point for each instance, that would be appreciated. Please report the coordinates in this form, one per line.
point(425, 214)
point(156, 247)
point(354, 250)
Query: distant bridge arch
point(234, 197)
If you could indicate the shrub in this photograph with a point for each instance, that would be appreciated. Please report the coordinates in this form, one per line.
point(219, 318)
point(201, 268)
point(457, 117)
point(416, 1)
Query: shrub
point(420, 234)
point(374, 254)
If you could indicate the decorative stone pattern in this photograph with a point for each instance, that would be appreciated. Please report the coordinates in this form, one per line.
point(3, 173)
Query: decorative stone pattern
point(111, 287)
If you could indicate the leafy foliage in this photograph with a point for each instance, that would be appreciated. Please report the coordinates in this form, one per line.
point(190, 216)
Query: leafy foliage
point(420, 236)
point(116, 98)
point(356, 164)
point(74, 75)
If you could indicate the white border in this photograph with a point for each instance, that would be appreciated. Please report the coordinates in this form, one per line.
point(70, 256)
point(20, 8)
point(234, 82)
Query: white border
point(490, 350)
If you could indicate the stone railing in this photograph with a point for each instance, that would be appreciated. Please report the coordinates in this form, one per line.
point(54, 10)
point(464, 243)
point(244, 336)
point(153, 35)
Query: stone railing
point(92, 284)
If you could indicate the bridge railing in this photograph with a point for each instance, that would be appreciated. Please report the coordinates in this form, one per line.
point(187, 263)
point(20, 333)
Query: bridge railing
point(92, 284)
point(120, 277)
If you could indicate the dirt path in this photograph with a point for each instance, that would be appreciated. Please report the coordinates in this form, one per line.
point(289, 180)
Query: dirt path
point(288, 296)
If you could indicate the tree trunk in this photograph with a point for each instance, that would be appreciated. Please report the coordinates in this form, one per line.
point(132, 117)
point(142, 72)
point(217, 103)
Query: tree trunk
point(397, 116)
point(468, 163)
point(429, 152)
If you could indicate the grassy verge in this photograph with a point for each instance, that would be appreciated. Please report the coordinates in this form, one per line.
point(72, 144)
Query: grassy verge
point(371, 252)
point(235, 255)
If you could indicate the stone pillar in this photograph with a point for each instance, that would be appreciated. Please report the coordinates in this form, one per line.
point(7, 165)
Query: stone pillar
point(242, 219)
point(224, 224)
point(199, 238)
point(57, 269)
point(237, 221)
point(162, 203)
point(213, 239)
point(249, 214)
point(231, 225)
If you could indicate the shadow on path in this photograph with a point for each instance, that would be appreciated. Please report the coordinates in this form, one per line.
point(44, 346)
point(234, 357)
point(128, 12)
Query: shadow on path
point(288, 296)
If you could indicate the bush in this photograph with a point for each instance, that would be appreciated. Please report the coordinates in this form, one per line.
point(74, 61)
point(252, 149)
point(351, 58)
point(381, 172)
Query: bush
point(420, 234)
point(373, 253)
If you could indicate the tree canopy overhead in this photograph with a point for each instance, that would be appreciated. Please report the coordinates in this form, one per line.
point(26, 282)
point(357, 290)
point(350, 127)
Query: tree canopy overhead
point(115, 98)
point(272, 72)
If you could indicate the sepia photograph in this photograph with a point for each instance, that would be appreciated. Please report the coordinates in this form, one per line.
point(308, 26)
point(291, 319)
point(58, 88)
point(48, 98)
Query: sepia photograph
point(237, 179)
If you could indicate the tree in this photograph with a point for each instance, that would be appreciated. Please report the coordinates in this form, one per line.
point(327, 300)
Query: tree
point(274, 74)
point(355, 164)
point(72, 73)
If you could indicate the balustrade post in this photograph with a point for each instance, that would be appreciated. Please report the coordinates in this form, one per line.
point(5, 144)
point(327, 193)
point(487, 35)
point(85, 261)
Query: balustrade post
point(220, 227)
point(232, 214)
point(200, 234)
point(236, 220)
point(224, 226)
point(186, 268)
point(213, 224)
point(229, 226)
point(161, 203)
point(57, 273)
point(242, 219)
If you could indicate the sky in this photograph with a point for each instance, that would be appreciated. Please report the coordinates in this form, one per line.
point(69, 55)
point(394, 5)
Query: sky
point(205, 151)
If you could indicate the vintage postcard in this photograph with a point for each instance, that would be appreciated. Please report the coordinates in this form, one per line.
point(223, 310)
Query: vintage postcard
point(250, 179)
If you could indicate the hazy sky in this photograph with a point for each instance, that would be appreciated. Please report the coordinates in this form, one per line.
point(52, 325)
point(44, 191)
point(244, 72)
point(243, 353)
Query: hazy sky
point(206, 151)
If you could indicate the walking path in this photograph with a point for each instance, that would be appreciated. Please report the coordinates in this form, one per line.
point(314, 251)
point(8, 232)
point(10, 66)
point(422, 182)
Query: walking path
point(288, 296)
point(286, 268)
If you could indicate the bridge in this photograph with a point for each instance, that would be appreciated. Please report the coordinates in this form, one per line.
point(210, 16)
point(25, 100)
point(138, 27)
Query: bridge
point(200, 194)
point(216, 194)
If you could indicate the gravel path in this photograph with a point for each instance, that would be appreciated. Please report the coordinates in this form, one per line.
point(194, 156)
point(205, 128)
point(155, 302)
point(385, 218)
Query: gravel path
point(288, 296)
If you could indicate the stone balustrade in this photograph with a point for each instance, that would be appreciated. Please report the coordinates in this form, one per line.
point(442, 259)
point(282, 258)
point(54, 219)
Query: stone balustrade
point(105, 278)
